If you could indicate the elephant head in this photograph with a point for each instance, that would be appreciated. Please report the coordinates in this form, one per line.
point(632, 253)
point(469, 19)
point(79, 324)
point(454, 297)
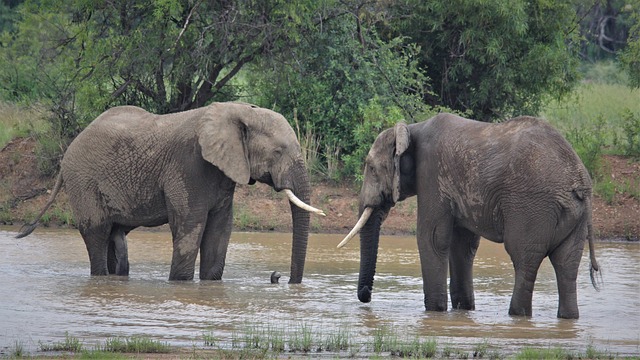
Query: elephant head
point(252, 144)
point(388, 178)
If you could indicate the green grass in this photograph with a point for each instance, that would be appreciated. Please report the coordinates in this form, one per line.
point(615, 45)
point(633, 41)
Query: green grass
point(602, 117)
point(70, 343)
point(135, 344)
point(601, 107)
point(18, 350)
point(243, 219)
point(20, 121)
point(542, 354)
point(111, 348)
point(260, 341)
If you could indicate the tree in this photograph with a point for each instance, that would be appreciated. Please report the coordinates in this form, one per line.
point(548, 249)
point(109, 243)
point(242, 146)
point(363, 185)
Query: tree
point(342, 84)
point(491, 59)
point(604, 27)
point(8, 15)
point(164, 55)
point(630, 57)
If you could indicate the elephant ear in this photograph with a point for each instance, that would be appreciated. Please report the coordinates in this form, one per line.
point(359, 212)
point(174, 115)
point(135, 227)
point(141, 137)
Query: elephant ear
point(223, 142)
point(402, 144)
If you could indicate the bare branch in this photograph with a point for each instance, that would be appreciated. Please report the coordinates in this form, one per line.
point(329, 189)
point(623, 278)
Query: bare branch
point(186, 23)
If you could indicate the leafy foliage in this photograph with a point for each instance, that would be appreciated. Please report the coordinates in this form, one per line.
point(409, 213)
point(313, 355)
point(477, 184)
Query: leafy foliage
point(344, 86)
point(631, 128)
point(340, 70)
point(630, 57)
point(165, 56)
point(495, 59)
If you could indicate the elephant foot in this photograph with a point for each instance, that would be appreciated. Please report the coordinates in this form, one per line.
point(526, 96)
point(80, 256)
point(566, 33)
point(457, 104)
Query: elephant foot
point(364, 294)
point(519, 312)
point(435, 307)
point(214, 274)
point(180, 277)
point(563, 314)
point(463, 303)
point(122, 269)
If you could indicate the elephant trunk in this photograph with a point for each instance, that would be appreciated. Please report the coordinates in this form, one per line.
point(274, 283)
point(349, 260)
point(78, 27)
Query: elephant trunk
point(369, 239)
point(300, 221)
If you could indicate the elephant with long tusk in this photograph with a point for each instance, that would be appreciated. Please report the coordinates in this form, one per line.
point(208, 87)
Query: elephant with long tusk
point(131, 168)
point(518, 182)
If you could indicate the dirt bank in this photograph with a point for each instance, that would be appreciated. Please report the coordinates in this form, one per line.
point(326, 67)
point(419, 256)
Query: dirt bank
point(258, 208)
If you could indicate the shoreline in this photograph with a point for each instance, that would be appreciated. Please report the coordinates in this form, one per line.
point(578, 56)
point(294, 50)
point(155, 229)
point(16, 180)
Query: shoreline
point(259, 208)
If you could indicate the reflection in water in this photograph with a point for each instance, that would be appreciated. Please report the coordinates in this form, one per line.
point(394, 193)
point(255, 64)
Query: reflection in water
point(46, 291)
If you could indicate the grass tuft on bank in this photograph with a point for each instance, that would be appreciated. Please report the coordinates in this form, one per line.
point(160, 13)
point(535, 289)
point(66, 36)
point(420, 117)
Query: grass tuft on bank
point(300, 341)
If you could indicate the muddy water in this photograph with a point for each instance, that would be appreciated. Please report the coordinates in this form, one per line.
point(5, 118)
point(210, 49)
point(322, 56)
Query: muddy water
point(46, 292)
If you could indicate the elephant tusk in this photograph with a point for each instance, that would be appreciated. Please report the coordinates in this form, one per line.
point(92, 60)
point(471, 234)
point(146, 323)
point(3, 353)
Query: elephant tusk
point(301, 204)
point(363, 220)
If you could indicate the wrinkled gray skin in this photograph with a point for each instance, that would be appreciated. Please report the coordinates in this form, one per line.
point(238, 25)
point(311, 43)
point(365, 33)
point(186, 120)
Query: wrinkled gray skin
point(131, 168)
point(518, 183)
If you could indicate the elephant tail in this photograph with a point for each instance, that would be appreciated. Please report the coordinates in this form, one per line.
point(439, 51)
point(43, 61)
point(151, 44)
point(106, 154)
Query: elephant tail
point(27, 229)
point(594, 268)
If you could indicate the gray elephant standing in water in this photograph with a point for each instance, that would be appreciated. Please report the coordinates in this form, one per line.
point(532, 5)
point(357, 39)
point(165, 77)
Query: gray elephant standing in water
point(519, 183)
point(131, 168)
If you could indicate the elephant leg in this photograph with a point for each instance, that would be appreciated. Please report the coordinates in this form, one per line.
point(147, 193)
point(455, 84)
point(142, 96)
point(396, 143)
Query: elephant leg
point(463, 250)
point(433, 244)
point(215, 240)
point(566, 260)
point(186, 242)
point(96, 239)
point(117, 255)
point(527, 252)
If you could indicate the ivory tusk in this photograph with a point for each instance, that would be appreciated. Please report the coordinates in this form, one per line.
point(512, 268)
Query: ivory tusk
point(363, 220)
point(301, 204)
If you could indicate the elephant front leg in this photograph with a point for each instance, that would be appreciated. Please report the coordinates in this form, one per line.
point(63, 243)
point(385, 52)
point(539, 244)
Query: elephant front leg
point(186, 242)
point(463, 250)
point(215, 240)
point(433, 245)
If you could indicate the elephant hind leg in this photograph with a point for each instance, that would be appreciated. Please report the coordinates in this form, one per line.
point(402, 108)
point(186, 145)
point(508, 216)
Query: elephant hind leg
point(527, 252)
point(117, 254)
point(566, 262)
point(96, 239)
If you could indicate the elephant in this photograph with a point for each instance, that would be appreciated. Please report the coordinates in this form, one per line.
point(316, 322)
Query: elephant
point(518, 182)
point(131, 168)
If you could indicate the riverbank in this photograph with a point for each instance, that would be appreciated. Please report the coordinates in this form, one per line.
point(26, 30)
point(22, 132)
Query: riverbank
point(23, 192)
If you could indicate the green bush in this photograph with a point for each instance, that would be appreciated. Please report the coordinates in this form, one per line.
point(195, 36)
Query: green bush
point(631, 129)
point(375, 119)
point(49, 152)
point(606, 188)
point(588, 142)
point(341, 98)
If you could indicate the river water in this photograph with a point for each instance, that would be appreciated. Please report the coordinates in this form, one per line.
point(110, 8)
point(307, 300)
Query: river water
point(46, 292)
